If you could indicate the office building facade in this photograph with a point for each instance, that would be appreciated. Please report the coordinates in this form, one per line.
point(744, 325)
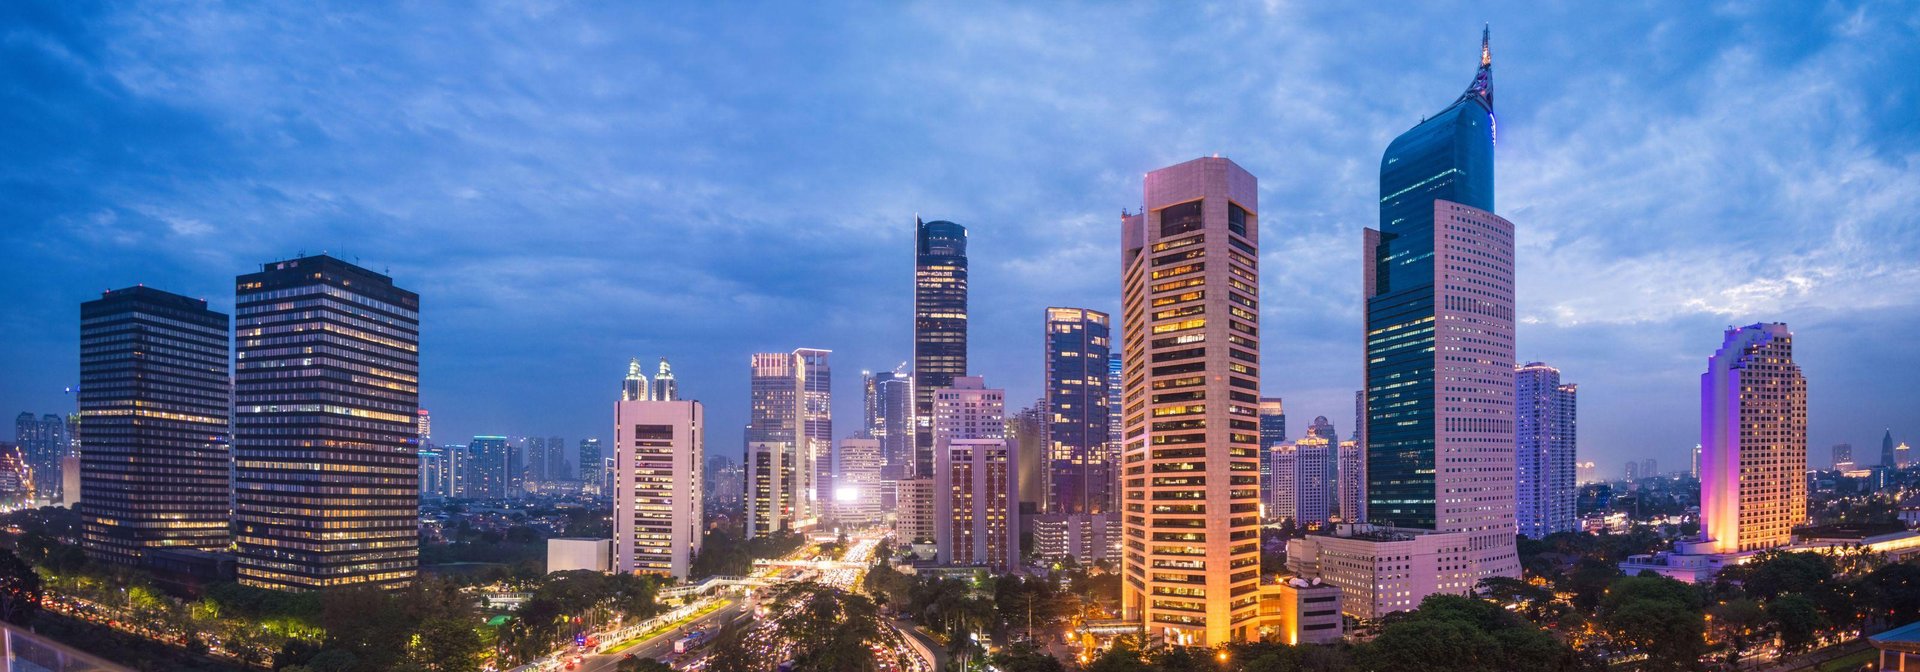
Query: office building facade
point(1076, 352)
point(154, 398)
point(659, 507)
point(1190, 335)
point(326, 395)
point(939, 324)
point(789, 439)
point(856, 482)
point(976, 487)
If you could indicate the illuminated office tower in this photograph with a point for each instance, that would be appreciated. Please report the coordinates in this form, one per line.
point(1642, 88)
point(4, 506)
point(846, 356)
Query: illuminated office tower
point(789, 430)
point(326, 396)
point(1076, 387)
point(1439, 344)
point(433, 464)
point(1753, 438)
point(154, 397)
point(557, 468)
point(486, 470)
point(665, 388)
point(976, 519)
point(1305, 481)
point(939, 324)
point(16, 478)
point(1544, 446)
point(856, 482)
point(889, 414)
point(592, 470)
point(1190, 289)
point(1842, 458)
point(634, 386)
point(1114, 430)
point(423, 424)
point(659, 458)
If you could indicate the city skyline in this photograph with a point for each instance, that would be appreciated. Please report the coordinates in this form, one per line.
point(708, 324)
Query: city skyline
point(1630, 349)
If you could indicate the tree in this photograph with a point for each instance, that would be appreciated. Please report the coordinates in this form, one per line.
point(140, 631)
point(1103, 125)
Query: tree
point(1659, 616)
point(1740, 622)
point(1893, 593)
point(19, 589)
point(1797, 619)
point(1025, 657)
point(1119, 658)
point(642, 665)
point(829, 628)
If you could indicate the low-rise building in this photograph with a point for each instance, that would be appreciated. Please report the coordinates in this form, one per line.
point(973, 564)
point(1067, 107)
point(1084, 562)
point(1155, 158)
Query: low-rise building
point(1381, 570)
point(1899, 648)
point(570, 553)
point(1301, 611)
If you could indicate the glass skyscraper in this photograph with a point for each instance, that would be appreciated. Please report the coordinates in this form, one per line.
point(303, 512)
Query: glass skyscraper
point(1076, 445)
point(939, 324)
point(154, 395)
point(326, 391)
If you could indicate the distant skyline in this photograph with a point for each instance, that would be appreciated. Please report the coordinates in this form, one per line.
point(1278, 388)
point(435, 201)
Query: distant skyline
point(570, 188)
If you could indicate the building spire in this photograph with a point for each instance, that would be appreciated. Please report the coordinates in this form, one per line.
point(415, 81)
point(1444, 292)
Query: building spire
point(1482, 88)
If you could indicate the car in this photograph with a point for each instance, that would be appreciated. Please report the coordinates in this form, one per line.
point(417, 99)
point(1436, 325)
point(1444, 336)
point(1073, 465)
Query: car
point(628, 657)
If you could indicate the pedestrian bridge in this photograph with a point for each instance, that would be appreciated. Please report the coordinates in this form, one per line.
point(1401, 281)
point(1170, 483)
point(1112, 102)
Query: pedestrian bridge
point(707, 585)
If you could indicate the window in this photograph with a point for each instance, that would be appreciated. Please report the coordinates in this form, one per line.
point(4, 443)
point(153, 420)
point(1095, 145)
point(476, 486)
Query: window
point(1179, 219)
point(1236, 219)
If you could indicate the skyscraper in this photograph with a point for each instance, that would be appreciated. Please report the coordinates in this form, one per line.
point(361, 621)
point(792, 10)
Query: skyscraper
point(889, 411)
point(487, 468)
point(1842, 457)
point(326, 392)
point(1649, 468)
point(1887, 458)
point(154, 393)
point(1902, 456)
point(1323, 428)
point(659, 450)
point(939, 324)
point(856, 482)
point(665, 388)
point(1753, 437)
point(1076, 448)
point(1305, 481)
point(1190, 293)
point(1273, 432)
point(423, 424)
point(1353, 482)
point(976, 520)
point(1544, 447)
point(1633, 471)
point(1027, 431)
point(592, 471)
point(1439, 344)
point(789, 429)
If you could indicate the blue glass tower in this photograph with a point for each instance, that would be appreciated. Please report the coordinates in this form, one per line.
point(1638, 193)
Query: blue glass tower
point(1447, 157)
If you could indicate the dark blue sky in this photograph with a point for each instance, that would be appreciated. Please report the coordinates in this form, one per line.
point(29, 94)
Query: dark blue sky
point(569, 185)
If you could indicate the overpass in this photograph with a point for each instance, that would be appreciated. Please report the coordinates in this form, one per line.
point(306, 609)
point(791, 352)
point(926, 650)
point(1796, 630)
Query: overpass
point(710, 583)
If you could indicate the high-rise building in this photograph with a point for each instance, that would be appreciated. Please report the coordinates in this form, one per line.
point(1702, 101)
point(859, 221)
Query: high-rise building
point(1323, 428)
point(488, 467)
point(1114, 428)
point(1439, 344)
point(856, 482)
point(1753, 433)
point(1544, 446)
point(1842, 458)
point(889, 412)
point(939, 324)
point(1649, 468)
point(433, 471)
point(1633, 471)
point(43, 441)
point(1696, 461)
point(659, 456)
point(1305, 481)
point(914, 524)
point(634, 386)
point(326, 395)
point(423, 424)
point(665, 388)
point(1353, 482)
point(535, 450)
point(789, 430)
point(154, 394)
point(1190, 290)
point(1027, 432)
point(592, 472)
point(976, 517)
point(1077, 349)
point(1902, 456)
point(16, 478)
point(1887, 458)
point(556, 468)
point(1273, 432)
